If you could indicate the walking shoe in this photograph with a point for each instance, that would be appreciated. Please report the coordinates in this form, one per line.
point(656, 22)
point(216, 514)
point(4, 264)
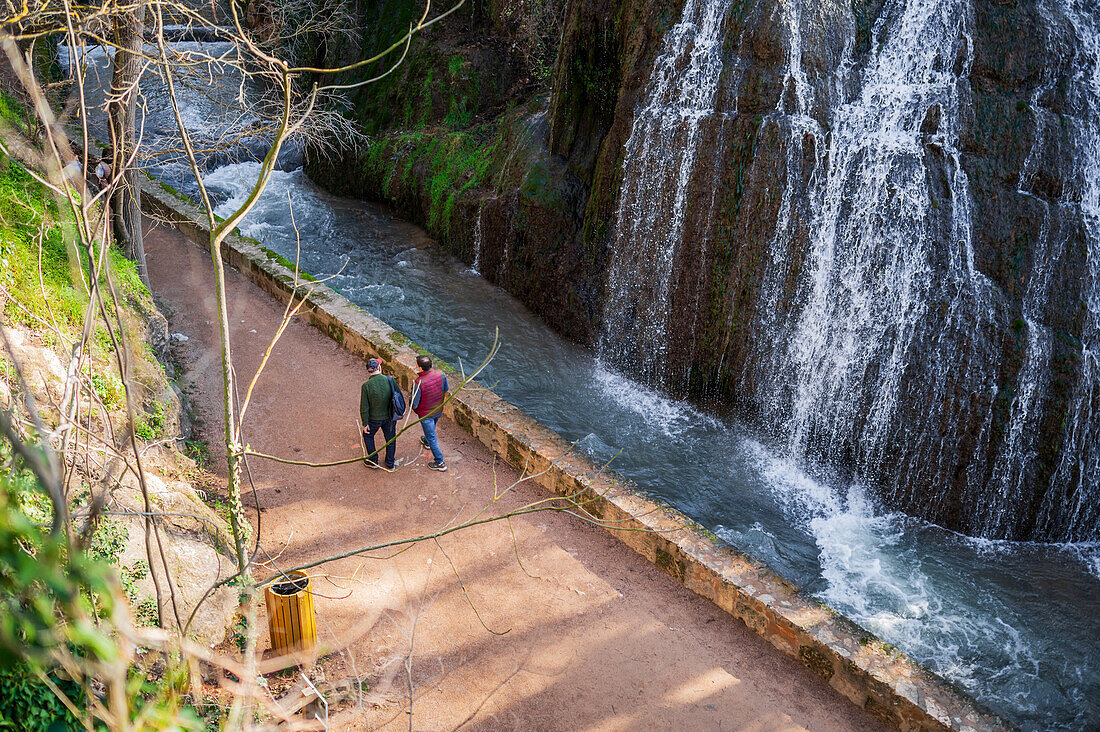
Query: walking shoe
point(441, 467)
point(424, 442)
point(372, 464)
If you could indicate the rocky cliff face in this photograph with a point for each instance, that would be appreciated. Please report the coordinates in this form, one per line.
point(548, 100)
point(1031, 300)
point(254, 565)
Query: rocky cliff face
point(868, 226)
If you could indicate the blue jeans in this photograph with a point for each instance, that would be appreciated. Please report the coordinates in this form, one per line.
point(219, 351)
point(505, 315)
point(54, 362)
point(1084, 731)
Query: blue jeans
point(388, 431)
point(429, 434)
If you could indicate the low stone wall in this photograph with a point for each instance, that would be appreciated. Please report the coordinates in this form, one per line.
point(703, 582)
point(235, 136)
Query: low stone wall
point(889, 685)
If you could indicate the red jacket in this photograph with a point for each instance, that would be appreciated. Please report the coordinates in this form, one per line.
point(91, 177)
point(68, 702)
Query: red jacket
point(432, 385)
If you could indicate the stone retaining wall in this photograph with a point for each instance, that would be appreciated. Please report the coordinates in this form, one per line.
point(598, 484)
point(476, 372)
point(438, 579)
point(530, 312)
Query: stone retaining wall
point(888, 684)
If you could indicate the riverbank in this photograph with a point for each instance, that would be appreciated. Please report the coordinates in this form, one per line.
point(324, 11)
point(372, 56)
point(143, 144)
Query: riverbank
point(873, 675)
point(597, 637)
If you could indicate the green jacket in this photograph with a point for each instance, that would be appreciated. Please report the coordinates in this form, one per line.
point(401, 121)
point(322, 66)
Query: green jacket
point(376, 399)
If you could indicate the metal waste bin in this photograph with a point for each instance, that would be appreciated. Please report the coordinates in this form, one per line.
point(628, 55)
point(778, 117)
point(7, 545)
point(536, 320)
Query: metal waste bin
point(290, 617)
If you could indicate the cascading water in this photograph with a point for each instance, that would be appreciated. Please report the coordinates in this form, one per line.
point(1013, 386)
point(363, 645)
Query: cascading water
point(797, 129)
point(890, 289)
point(878, 345)
point(658, 163)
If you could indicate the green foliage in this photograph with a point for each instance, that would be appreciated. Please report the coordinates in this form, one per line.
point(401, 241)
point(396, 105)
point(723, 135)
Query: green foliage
point(125, 274)
point(451, 163)
point(426, 96)
point(455, 64)
point(535, 26)
point(198, 451)
point(45, 591)
point(211, 713)
point(239, 633)
point(57, 602)
point(150, 425)
point(108, 541)
point(145, 613)
point(50, 597)
point(40, 586)
point(102, 341)
point(130, 575)
point(458, 163)
point(108, 387)
point(403, 340)
point(13, 112)
point(35, 266)
point(27, 704)
point(169, 189)
point(24, 492)
point(25, 211)
point(302, 274)
point(462, 89)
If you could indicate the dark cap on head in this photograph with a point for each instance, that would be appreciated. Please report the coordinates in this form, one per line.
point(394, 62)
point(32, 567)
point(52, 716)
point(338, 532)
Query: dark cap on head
point(372, 364)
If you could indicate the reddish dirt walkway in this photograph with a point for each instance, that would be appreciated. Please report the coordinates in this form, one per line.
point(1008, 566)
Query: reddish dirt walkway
point(594, 636)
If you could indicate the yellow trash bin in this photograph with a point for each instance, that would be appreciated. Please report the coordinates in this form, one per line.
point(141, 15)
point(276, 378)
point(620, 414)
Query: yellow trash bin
point(290, 617)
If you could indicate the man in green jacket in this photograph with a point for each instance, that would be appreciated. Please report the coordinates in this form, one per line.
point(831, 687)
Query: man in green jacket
point(376, 411)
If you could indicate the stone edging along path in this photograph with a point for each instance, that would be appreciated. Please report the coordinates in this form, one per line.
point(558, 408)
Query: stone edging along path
point(872, 674)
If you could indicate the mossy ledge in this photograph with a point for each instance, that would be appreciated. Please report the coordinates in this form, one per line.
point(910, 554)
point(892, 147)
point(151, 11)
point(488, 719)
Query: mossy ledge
point(886, 683)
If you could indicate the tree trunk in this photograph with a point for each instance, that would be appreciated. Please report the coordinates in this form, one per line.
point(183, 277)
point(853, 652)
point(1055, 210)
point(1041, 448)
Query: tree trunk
point(126, 208)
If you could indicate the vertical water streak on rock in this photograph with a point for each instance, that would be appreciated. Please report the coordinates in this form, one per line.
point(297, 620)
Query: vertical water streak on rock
point(767, 364)
point(1015, 466)
point(477, 239)
point(658, 161)
point(892, 339)
point(1071, 508)
point(505, 261)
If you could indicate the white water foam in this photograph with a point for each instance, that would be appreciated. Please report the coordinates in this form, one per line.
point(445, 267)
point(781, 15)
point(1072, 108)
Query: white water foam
point(237, 181)
point(875, 578)
point(658, 411)
point(190, 51)
point(1014, 468)
point(476, 266)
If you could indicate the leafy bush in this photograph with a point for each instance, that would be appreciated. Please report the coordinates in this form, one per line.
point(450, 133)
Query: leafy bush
point(150, 426)
point(29, 705)
point(108, 387)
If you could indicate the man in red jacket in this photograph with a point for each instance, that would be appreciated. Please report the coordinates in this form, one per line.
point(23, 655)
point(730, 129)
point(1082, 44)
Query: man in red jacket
point(429, 389)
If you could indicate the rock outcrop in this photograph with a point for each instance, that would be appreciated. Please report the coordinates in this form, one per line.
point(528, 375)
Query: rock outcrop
point(190, 545)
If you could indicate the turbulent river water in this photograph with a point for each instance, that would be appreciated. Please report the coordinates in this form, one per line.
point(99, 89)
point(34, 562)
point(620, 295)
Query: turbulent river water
point(1015, 624)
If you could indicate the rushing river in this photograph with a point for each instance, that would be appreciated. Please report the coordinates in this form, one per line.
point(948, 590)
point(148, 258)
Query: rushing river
point(1017, 625)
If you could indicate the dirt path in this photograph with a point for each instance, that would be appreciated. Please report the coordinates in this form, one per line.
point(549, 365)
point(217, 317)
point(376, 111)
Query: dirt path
point(594, 636)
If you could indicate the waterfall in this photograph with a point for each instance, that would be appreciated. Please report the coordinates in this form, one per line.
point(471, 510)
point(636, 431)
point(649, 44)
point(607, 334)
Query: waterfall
point(890, 339)
point(1071, 508)
point(878, 345)
point(658, 162)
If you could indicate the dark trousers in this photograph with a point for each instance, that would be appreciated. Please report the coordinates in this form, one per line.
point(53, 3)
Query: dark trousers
point(388, 428)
